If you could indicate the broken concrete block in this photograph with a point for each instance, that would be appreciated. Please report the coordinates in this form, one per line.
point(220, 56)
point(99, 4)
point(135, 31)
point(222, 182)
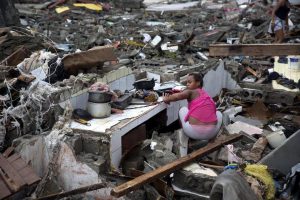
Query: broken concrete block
point(229, 114)
point(156, 153)
point(247, 120)
point(137, 195)
point(95, 145)
point(151, 192)
point(133, 162)
point(76, 144)
point(166, 139)
point(195, 178)
point(241, 126)
point(96, 162)
point(101, 165)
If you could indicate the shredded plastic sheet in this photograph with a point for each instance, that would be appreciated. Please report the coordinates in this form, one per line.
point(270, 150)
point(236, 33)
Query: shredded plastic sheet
point(261, 173)
point(37, 98)
point(91, 6)
point(37, 60)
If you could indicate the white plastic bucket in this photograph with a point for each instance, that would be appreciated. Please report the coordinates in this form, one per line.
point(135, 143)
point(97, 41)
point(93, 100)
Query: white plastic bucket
point(295, 63)
point(276, 138)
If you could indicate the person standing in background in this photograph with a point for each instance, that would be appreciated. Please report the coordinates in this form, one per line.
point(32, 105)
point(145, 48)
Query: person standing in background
point(279, 23)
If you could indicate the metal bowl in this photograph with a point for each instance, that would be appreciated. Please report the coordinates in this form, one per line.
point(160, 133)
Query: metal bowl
point(99, 97)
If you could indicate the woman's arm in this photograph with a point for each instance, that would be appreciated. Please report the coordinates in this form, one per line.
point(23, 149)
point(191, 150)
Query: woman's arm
point(186, 94)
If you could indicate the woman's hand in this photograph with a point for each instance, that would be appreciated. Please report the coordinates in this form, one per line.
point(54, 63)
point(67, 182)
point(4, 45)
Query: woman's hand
point(166, 98)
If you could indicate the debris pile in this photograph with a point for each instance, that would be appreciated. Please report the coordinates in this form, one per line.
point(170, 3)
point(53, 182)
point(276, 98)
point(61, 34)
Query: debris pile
point(81, 100)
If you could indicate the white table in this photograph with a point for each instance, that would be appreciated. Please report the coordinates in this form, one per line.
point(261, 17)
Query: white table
point(117, 125)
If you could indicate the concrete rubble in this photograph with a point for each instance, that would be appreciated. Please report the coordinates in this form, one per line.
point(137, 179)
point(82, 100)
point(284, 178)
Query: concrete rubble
point(56, 54)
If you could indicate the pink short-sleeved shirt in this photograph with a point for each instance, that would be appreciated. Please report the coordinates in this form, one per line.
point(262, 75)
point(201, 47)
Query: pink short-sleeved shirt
point(203, 108)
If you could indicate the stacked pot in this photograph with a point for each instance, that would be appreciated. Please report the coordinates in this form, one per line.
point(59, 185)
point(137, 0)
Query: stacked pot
point(99, 104)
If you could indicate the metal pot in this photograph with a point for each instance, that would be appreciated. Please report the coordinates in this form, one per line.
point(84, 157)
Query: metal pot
point(99, 97)
point(81, 114)
point(123, 101)
point(144, 84)
point(99, 110)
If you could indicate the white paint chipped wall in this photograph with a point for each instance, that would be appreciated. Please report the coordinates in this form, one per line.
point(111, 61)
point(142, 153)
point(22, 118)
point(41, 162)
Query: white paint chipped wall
point(215, 80)
point(121, 79)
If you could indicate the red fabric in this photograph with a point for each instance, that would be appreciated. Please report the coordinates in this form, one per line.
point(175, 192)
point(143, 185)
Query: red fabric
point(202, 108)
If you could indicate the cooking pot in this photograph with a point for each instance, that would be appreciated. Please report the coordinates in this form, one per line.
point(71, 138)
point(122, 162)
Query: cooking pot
point(99, 110)
point(81, 114)
point(123, 101)
point(144, 84)
point(99, 97)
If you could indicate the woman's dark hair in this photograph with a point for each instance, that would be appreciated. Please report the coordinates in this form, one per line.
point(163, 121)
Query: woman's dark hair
point(197, 77)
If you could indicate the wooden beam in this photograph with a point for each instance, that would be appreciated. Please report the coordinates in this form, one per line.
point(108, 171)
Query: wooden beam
point(8, 152)
point(171, 167)
point(254, 49)
point(74, 192)
point(16, 57)
point(10, 176)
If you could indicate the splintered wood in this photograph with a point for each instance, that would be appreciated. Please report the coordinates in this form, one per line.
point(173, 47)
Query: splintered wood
point(15, 174)
point(171, 167)
point(254, 49)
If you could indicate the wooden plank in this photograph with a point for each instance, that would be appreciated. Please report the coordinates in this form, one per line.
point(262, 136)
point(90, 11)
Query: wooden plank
point(171, 167)
point(74, 192)
point(11, 175)
point(8, 181)
point(29, 176)
point(16, 57)
point(4, 190)
point(254, 49)
point(18, 164)
point(13, 158)
point(8, 151)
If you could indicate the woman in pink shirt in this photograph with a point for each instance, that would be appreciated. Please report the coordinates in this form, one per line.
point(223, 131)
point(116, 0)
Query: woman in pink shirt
point(199, 120)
